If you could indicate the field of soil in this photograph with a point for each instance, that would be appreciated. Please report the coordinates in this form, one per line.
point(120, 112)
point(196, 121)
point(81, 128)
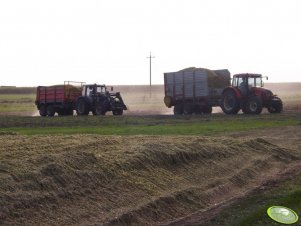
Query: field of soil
point(87, 178)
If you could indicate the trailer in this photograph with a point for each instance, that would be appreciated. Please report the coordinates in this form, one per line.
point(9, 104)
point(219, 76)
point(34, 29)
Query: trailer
point(195, 90)
point(59, 99)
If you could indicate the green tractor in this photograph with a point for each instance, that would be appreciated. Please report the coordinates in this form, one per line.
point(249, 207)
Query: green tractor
point(98, 100)
point(247, 93)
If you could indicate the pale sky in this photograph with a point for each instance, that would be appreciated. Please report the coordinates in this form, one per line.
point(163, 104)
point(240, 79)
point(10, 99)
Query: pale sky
point(97, 41)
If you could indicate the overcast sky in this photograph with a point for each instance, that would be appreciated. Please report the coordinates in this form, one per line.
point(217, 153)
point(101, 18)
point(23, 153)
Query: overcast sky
point(48, 42)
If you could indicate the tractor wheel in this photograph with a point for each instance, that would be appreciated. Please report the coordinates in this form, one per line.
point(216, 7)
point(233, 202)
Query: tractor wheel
point(178, 109)
point(42, 110)
point(276, 106)
point(50, 111)
point(253, 105)
point(82, 107)
point(230, 103)
point(99, 110)
point(188, 109)
point(118, 112)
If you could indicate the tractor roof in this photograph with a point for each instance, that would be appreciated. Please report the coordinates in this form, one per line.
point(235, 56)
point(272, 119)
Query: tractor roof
point(98, 85)
point(248, 75)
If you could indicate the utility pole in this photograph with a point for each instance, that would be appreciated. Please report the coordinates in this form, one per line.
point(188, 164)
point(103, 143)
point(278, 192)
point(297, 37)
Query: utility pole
point(150, 72)
point(150, 68)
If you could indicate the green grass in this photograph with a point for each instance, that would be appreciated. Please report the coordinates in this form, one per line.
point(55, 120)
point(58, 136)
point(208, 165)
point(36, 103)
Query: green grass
point(17, 97)
point(253, 210)
point(138, 125)
point(17, 103)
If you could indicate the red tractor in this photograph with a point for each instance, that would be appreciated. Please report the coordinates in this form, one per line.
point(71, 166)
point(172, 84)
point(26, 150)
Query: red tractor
point(247, 93)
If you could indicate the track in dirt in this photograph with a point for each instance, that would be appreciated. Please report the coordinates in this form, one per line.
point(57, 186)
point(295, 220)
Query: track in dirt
point(90, 179)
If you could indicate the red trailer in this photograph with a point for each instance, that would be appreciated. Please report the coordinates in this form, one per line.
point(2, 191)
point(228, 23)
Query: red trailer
point(59, 99)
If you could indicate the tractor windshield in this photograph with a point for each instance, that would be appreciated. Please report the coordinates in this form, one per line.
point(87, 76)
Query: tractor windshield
point(254, 82)
point(101, 89)
point(94, 90)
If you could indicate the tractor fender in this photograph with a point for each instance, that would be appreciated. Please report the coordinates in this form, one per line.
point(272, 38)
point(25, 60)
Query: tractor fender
point(234, 90)
point(88, 100)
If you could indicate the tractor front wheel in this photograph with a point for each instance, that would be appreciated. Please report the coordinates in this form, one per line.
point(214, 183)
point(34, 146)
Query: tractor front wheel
point(230, 103)
point(253, 105)
point(118, 112)
point(99, 109)
point(276, 106)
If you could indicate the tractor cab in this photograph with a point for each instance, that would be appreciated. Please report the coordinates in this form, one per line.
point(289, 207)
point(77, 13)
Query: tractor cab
point(247, 82)
point(94, 90)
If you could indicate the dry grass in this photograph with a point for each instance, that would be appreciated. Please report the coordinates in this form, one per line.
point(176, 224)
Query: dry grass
point(88, 179)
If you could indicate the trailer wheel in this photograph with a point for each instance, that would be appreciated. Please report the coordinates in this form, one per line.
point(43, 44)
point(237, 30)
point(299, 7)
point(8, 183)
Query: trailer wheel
point(82, 107)
point(178, 109)
point(276, 106)
point(188, 109)
point(61, 112)
point(69, 111)
point(207, 110)
point(253, 105)
point(42, 110)
point(50, 111)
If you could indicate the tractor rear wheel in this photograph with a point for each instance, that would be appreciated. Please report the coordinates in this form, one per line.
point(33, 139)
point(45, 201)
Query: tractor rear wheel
point(50, 111)
point(276, 106)
point(253, 105)
point(230, 103)
point(82, 107)
point(42, 110)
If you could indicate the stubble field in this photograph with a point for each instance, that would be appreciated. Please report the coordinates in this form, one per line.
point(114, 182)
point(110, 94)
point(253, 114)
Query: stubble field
point(149, 167)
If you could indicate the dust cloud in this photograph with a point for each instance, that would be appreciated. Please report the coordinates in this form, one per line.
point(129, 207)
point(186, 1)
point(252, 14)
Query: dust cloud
point(143, 100)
